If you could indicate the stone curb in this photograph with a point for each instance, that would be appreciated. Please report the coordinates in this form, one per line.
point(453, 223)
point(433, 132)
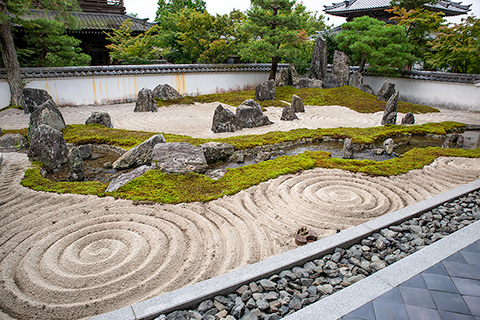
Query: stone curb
point(190, 296)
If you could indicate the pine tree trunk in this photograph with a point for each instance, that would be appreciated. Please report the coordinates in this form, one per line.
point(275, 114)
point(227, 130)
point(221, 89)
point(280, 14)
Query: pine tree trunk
point(273, 69)
point(10, 59)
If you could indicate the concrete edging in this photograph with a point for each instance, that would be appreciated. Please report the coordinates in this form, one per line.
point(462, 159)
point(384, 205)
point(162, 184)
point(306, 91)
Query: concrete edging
point(190, 296)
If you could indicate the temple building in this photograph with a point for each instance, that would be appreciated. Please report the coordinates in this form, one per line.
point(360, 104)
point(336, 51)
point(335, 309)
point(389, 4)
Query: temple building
point(352, 9)
point(96, 18)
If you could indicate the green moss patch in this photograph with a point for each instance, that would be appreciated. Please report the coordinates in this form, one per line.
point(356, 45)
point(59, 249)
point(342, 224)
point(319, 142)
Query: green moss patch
point(346, 96)
point(94, 133)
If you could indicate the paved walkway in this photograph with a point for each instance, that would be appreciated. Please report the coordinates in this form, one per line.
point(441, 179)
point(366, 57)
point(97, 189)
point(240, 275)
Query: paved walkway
point(448, 290)
point(441, 281)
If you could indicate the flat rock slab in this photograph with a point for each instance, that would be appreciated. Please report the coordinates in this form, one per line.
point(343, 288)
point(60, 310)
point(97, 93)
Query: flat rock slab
point(471, 139)
point(179, 157)
point(125, 178)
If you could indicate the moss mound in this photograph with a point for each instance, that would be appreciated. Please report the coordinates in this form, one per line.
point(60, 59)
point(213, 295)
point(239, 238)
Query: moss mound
point(346, 96)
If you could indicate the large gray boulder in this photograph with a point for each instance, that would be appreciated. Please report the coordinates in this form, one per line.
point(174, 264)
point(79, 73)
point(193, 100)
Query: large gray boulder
point(166, 92)
point(453, 140)
point(125, 178)
point(33, 98)
point(388, 146)
point(145, 101)
point(251, 115)
point(11, 141)
point(347, 152)
point(303, 83)
point(288, 114)
point(318, 65)
point(287, 77)
point(386, 91)
point(225, 120)
point(139, 155)
point(265, 91)
point(297, 104)
point(217, 151)
point(409, 118)
point(47, 114)
point(390, 113)
point(102, 118)
point(75, 161)
point(331, 81)
point(179, 157)
point(48, 146)
point(341, 67)
point(356, 81)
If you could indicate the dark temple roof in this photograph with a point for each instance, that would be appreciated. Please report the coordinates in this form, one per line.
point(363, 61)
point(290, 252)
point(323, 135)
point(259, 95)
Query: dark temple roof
point(348, 7)
point(96, 22)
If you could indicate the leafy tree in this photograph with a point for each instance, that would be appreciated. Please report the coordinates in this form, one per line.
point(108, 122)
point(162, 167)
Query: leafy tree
point(411, 4)
point(276, 31)
point(11, 12)
point(457, 47)
point(421, 25)
point(170, 6)
point(49, 46)
point(190, 36)
point(368, 40)
point(129, 49)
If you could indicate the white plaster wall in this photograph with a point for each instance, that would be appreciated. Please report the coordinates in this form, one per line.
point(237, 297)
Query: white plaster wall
point(436, 94)
point(115, 89)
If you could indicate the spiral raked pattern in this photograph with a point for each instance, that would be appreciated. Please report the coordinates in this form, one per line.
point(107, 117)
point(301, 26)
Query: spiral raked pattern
point(71, 257)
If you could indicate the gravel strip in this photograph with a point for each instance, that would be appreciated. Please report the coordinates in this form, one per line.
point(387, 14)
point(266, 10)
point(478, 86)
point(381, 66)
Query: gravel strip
point(284, 293)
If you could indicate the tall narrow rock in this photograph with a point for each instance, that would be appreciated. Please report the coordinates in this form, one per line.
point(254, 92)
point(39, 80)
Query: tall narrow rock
point(341, 67)
point(386, 91)
point(297, 104)
point(390, 114)
point(145, 101)
point(265, 91)
point(318, 66)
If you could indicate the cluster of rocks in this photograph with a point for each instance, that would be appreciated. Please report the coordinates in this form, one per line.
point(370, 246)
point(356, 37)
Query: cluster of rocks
point(248, 115)
point(173, 157)
point(146, 98)
point(290, 290)
point(387, 93)
point(47, 144)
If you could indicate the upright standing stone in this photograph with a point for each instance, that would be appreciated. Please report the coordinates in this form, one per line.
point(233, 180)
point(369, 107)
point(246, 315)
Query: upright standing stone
point(347, 149)
point(318, 66)
point(386, 91)
point(145, 101)
point(76, 172)
point(341, 67)
point(287, 77)
point(265, 91)
point(33, 98)
point(390, 114)
point(48, 146)
point(225, 120)
point(47, 114)
point(297, 104)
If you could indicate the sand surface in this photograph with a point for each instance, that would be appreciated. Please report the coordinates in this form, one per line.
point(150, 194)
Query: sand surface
point(71, 256)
